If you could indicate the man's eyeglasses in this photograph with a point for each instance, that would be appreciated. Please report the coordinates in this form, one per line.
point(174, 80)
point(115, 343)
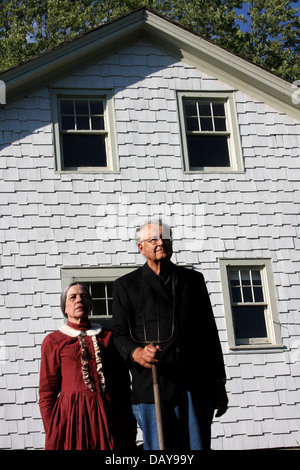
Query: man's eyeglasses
point(155, 240)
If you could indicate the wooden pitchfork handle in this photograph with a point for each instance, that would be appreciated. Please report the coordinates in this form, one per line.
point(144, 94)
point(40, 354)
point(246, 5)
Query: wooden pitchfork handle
point(158, 409)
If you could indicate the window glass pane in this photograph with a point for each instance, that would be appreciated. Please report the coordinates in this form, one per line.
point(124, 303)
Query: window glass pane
point(245, 276)
point(256, 277)
point(206, 151)
point(236, 294)
point(257, 286)
point(83, 150)
point(98, 290)
point(218, 109)
point(66, 107)
point(109, 287)
point(67, 123)
point(206, 124)
point(247, 294)
point(192, 124)
point(109, 306)
point(190, 109)
point(82, 107)
point(234, 277)
point(99, 307)
point(97, 123)
point(220, 124)
point(82, 122)
point(96, 107)
point(249, 322)
point(204, 109)
point(258, 294)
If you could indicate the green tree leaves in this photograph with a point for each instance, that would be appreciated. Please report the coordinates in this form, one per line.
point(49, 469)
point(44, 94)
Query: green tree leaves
point(265, 32)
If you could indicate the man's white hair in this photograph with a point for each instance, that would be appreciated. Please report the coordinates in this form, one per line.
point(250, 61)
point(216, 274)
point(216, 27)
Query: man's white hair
point(166, 229)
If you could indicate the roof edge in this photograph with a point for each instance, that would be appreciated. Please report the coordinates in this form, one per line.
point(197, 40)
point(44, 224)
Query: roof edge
point(188, 46)
point(223, 64)
point(27, 75)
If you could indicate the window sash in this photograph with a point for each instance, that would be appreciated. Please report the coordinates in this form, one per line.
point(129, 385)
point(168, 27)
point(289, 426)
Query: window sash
point(206, 146)
point(84, 149)
point(75, 116)
point(94, 109)
point(247, 284)
point(206, 121)
point(214, 151)
point(105, 300)
point(250, 324)
point(257, 274)
point(229, 132)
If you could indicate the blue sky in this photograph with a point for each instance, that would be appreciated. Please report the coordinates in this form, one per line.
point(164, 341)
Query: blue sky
point(244, 10)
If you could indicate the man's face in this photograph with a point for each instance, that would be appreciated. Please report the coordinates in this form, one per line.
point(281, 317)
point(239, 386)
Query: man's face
point(77, 304)
point(160, 248)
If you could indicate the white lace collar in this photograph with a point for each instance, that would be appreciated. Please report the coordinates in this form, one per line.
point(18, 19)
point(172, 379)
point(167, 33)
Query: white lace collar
point(93, 330)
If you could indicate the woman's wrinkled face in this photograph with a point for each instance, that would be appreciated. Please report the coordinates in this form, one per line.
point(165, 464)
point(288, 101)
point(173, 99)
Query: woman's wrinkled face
point(77, 306)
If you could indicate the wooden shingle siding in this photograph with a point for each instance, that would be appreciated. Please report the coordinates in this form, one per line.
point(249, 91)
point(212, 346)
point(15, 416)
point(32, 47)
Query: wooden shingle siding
point(51, 220)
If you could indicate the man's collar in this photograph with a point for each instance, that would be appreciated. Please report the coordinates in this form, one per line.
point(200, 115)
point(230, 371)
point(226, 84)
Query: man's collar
point(148, 270)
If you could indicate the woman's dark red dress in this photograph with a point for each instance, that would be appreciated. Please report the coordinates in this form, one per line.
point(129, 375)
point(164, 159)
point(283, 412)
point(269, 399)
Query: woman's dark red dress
point(84, 391)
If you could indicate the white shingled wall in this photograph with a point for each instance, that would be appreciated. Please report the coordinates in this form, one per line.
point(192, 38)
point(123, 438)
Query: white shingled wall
point(51, 220)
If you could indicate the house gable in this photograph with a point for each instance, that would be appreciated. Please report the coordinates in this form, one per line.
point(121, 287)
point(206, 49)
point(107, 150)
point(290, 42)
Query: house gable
point(164, 34)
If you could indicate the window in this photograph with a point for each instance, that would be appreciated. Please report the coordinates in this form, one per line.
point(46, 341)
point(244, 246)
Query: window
point(101, 293)
point(250, 303)
point(100, 284)
point(209, 131)
point(84, 131)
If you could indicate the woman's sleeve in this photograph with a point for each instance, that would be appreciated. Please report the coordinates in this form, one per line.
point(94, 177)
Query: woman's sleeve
point(50, 379)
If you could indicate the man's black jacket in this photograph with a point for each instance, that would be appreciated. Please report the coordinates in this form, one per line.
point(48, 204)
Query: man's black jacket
point(182, 317)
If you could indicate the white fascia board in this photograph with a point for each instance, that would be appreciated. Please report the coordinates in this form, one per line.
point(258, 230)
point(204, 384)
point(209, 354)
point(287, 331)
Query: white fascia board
point(222, 64)
point(63, 58)
point(184, 45)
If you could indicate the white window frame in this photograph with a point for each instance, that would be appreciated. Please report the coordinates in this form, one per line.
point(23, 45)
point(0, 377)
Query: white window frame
point(71, 274)
point(273, 339)
point(111, 147)
point(232, 133)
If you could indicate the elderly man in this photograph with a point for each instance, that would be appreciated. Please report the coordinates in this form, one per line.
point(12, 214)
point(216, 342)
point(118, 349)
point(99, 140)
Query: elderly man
point(162, 315)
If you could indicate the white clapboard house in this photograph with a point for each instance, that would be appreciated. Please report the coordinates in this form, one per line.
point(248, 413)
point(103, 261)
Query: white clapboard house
point(141, 118)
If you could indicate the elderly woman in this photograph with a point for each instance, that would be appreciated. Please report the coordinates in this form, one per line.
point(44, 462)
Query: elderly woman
point(84, 388)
